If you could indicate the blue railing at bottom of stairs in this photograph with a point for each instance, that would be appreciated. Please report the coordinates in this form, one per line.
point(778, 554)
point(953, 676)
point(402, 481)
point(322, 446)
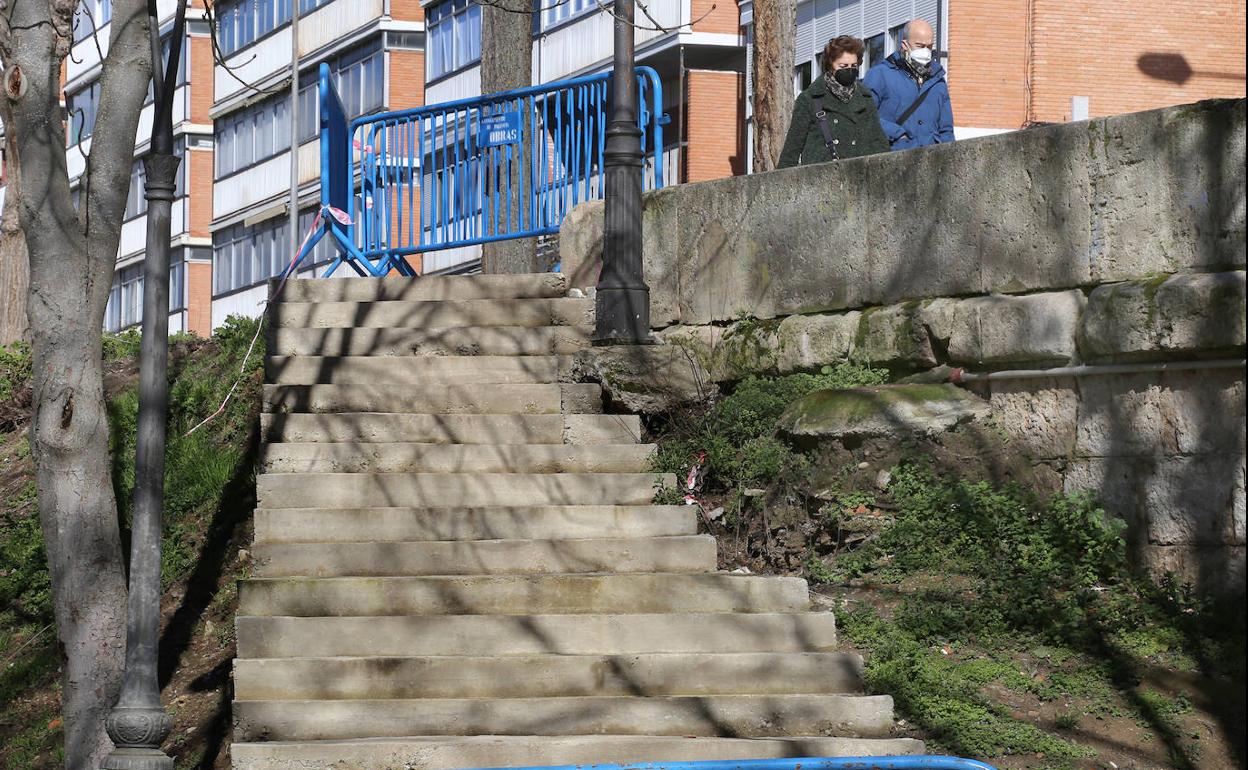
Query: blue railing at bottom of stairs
point(907, 762)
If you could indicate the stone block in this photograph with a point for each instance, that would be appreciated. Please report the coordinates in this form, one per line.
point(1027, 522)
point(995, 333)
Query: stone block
point(1118, 322)
point(1125, 415)
point(1175, 315)
point(1190, 500)
point(746, 347)
point(648, 379)
point(1212, 570)
point(768, 245)
point(893, 336)
point(1000, 329)
point(1167, 190)
point(1039, 415)
point(1154, 414)
point(580, 245)
point(1207, 410)
point(1201, 312)
point(809, 342)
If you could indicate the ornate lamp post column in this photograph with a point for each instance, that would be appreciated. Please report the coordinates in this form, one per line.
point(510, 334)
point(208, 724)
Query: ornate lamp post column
point(622, 302)
point(138, 724)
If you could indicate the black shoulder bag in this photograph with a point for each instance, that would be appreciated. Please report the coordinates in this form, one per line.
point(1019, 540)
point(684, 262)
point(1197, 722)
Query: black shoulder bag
point(901, 121)
point(828, 142)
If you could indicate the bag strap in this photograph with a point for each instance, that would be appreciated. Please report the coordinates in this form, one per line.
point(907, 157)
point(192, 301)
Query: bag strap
point(821, 115)
point(901, 121)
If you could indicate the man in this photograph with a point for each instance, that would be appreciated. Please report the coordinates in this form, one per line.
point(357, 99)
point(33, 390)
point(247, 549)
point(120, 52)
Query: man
point(911, 93)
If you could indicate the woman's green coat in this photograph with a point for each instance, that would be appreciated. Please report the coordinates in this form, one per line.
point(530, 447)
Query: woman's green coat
point(855, 127)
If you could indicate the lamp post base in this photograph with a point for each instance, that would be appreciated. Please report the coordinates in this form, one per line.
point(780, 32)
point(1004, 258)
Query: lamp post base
point(137, 759)
point(622, 316)
point(137, 732)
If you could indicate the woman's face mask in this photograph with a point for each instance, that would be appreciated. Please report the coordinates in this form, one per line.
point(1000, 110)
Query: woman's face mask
point(846, 76)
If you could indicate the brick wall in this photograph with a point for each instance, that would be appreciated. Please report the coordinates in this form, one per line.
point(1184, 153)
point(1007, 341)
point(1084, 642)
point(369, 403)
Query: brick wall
point(714, 125)
point(407, 10)
point(407, 79)
point(199, 187)
point(201, 79)
point(987, 44)
point(199, 298)
point(722, 17)
point(1123, 58)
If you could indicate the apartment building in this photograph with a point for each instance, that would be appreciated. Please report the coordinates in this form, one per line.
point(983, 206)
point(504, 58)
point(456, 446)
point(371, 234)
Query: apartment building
point(190, 253)
point(375, 49)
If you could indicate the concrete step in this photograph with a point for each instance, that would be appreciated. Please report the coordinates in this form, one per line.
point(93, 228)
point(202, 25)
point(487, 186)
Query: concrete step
point(444, 341)
point(715, 715)
point(425, 288)
point(522, 595)
point(548, 676)
point(442, 753)
point(502, 635)
point(687, 553)
point(550, 398)
point(415, 371)
point(434, 315)
point(452, 429)
point(353, 490)
point(357, 457)
point(332, 525)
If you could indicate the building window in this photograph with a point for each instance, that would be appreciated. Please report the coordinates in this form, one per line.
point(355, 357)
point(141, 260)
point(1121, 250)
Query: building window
point(454, 33)
point(875, 51)
point(90, 16)
point(895, 36)
point(181, 76)
point(802, 76)
point(359, 77)
point(245, 256)
point(252, 135)
point(242, 22)
point(125, 298)
point(82, 106)
point(557, 13)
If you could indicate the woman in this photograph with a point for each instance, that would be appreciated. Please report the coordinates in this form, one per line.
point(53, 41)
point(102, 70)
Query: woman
point(835, 118)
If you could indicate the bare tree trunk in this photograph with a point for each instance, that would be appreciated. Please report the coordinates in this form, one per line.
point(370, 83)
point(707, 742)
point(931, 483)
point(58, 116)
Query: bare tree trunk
point(72, 255)
point(774, 30)
point(14, 272)
point(507, 63)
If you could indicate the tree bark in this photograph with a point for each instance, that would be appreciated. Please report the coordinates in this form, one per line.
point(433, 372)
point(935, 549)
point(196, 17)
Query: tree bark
point(507, 63)
point(14, 271)
point(774, 40)
point(72, 255)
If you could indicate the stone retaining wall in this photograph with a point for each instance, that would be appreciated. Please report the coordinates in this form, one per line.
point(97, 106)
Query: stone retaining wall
point(1117, 240)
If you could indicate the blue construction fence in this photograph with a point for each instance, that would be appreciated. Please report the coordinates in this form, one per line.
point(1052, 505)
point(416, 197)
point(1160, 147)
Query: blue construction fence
point(490, 168)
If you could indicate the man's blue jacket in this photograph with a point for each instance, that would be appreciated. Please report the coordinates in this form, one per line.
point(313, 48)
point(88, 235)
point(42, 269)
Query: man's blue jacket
point(895, 90)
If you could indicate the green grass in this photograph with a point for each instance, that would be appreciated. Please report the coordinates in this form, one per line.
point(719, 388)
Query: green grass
point(997, 575)
point(198, 470)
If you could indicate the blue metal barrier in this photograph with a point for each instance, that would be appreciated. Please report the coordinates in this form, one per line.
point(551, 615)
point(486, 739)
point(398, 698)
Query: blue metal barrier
point(491, 168)
point(908, 762)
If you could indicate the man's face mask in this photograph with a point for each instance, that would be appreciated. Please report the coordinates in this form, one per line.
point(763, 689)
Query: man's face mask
point(920, 56)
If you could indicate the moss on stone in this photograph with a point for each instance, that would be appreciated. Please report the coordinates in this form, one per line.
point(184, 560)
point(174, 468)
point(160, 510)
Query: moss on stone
point(851, 406)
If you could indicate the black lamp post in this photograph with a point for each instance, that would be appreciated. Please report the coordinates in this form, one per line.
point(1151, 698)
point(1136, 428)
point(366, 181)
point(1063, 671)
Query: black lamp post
point(138, 724)
point(622, 302)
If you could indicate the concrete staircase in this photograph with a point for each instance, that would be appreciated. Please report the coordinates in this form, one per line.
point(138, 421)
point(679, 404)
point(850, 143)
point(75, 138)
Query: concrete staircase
point(457, 562)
